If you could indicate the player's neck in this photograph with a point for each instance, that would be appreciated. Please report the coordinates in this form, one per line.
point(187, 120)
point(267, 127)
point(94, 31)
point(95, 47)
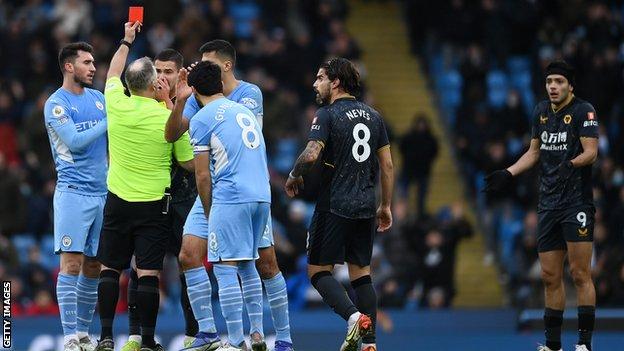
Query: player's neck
point(70, 85)
point(341, 95)
point(562, 104)
point(229, 84)
point(205, 100)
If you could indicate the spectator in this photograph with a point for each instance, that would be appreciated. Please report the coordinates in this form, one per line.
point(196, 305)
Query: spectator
point(419, 148)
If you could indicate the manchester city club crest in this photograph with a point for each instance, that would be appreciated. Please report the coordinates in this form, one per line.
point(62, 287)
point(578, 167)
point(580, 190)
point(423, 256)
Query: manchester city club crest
point(212, 242)
point(66, 241)
point(99, 105)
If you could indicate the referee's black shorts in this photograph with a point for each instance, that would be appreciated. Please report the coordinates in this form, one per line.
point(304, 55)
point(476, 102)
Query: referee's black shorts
point(333, 239)
point(137, 228)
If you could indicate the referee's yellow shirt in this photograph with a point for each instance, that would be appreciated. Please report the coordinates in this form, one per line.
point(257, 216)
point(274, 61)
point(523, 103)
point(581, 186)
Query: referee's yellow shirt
point(140, 157)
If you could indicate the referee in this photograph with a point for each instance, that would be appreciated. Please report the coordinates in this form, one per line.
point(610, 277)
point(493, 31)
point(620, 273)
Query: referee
point(135, 214)
point(565, 144)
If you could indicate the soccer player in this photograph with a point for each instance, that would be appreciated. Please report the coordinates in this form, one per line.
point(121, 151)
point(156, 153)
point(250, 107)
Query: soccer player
point(183, 195)
point(565, 144)
point(76, 123)
point(196, 228)
point(353, 141)
point(135, 215)
point(233, 185)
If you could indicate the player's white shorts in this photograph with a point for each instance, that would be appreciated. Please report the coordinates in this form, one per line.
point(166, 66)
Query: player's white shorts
point(197, 225)
point(77, 222)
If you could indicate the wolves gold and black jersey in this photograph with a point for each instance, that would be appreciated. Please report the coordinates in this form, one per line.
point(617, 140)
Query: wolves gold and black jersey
point(560, 133)
point(352, 133)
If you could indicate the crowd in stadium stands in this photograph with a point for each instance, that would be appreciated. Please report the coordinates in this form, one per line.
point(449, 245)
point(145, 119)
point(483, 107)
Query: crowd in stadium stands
point(280, 53)
point(487, 68)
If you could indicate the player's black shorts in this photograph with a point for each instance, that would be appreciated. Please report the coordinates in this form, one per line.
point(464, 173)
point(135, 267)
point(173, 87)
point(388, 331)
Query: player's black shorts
point(137, 228)
point(178, 212)
point(556, 227)
point(333, 239)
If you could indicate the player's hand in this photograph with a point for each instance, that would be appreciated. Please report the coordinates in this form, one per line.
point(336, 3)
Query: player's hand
point(565, 170)
point(384, 218)
point(497, 181)
point(191, 66)
point(162, 89)
point(183, 91)
point(293, 184)
point(131, 30)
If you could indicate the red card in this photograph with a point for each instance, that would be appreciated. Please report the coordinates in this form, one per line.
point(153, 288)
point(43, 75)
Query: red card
point(135, 13)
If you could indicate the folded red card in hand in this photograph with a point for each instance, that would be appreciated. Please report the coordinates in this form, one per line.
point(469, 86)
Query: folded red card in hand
point(135, 13)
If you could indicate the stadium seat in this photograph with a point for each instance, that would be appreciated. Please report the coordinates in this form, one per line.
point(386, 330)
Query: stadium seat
point(22, 243)
point(518, 64)
point(285, 154)
point(498, 86)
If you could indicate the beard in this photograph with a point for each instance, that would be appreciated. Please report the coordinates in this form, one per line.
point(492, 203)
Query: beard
point(322, 100)
point(83, 83)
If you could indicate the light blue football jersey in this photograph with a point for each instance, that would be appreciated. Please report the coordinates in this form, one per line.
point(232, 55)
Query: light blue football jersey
point(246, 94)
point(76, 126)
point(230, 133)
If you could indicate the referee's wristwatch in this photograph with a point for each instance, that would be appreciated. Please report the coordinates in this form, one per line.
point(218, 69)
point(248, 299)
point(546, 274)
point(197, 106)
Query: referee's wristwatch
point(126, 43)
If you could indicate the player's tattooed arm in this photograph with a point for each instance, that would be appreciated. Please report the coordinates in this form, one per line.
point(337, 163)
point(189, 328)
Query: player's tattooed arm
point(303, 165)
point(307, 159)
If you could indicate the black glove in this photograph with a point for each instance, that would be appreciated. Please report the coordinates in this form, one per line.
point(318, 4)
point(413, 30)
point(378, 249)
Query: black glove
point(497, 181)
point(565, 170)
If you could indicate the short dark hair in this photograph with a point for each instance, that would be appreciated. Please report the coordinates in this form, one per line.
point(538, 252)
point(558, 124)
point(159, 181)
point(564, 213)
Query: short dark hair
point(344, 70)
point(206, 78)
point(222, 47)
point(171, 55)
point(69, 52)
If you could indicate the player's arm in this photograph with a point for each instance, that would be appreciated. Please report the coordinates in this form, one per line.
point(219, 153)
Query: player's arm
point(201, 134)
point(304, 163)
point(527, 160)
point(204, 180)
point(118, 62)
point(319, 133)
point(384, 213)
point(307, 159)
point(589, 154)
point(57, 118)
point(587, 124)
point(498, 180)
point(176, 123)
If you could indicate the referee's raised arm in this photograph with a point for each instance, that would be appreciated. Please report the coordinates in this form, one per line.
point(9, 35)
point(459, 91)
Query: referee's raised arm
point(118, 62)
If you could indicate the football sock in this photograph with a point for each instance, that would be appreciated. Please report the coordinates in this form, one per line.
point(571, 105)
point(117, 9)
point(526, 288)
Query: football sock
point(278, 301)
point(108, 294)
point(252, 294)
point(333, 294)
point(67, 301)
point(200, 298)
point(366, 302)
point(231, 300)
point(148, 300)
